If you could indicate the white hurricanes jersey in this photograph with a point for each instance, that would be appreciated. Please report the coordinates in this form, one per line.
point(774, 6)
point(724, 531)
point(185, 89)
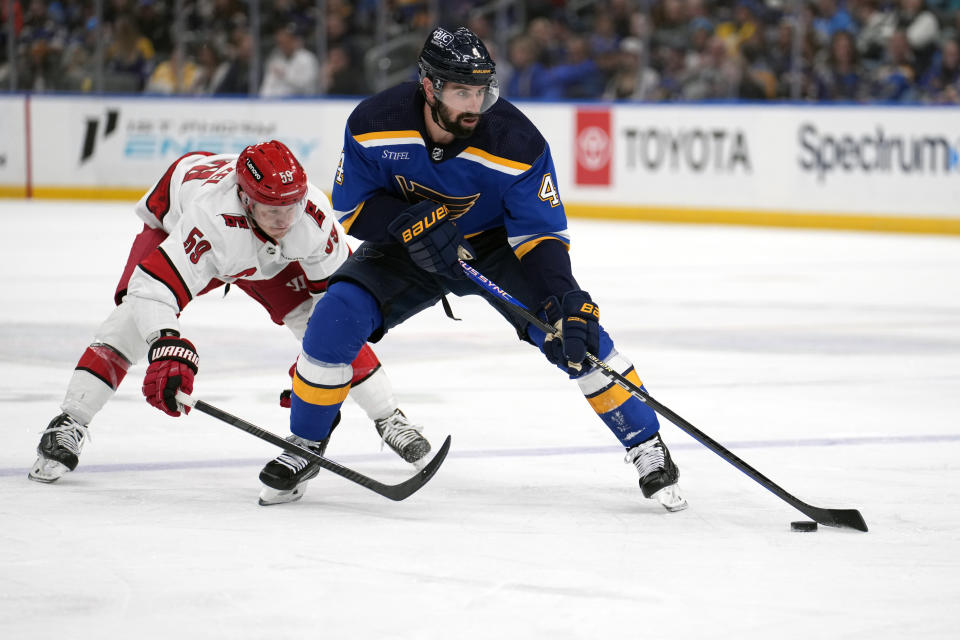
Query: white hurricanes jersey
point(211, 238)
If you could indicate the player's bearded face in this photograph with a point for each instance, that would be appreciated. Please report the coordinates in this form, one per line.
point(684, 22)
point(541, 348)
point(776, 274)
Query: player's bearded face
point(460, 124)
point(457, 108)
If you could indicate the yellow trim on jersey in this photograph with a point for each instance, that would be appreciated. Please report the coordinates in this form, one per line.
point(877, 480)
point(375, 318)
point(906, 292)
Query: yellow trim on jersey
point(325, 396)
point(525, 248)
point(348, 221)
point(614, 396)
point(387, 135)
point(504, 162)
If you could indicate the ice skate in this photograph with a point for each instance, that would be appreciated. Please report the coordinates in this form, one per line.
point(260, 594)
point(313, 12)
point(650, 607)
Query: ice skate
point(404, 438)
point(285, 477)
point(59, 449)
point(658, 473)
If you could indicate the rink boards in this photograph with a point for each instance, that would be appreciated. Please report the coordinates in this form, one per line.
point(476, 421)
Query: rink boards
point(862, 167)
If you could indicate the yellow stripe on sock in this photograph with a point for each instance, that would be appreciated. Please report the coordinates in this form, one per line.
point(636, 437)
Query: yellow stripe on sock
point(615, 396)
point(314, 394)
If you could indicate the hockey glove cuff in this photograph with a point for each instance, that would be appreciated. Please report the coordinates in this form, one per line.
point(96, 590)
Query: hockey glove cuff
point(173, 364)
point(432, 239)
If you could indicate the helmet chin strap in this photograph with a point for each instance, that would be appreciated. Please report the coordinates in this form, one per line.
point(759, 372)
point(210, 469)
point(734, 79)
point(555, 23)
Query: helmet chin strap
point(435, 114)
point(246, 201)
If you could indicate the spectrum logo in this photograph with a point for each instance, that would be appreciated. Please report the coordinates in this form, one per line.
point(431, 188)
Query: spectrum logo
point(876, 152)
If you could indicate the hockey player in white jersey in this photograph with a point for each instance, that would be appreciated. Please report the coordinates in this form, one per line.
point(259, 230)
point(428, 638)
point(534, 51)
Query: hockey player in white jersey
point(251, 220)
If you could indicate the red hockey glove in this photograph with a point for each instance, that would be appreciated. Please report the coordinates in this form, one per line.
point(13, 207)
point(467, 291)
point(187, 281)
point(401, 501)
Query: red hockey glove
point(173, 364)
point(287, 394)
point(578, 319)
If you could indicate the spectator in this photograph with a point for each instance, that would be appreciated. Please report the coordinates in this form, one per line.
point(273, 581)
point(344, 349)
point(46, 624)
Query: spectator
point(175, 75)
point(876, 23)
point(744, 25)
point(340, 73)
point(155, 23)
point(77, 70)
point(578, 77)
point(839, 76)
point(236, 78)
point(942, 81)
point(527, 74)
point(550, 50)
point(922, 30)
point(129, 57)
point(894, 80)
point(633, 79)
point(290, 70)
point(211, 70)
point(604, 39)
point(38, 70)
point(673, 73)
point(670, 25)
point(759, 82)
point(701, 30)
point(830, 19)
point(717, 78)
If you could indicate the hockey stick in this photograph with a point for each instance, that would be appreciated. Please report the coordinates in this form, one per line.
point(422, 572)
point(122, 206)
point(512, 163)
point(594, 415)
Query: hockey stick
point(393, 491)
point(844, 518)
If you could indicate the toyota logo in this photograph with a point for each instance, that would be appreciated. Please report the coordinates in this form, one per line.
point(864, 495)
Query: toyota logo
point(593, 145)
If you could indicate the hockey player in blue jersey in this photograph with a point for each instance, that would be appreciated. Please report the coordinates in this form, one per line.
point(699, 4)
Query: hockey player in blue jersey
point(437, 170)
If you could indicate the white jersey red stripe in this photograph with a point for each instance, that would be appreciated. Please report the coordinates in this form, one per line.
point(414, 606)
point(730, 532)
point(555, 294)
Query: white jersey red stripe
point(210, 237)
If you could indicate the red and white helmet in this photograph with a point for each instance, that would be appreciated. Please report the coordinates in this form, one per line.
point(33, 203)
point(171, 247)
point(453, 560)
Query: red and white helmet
point(270, 174)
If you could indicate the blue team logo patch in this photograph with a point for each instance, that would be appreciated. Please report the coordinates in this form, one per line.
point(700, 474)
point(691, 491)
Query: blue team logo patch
point(415, 192)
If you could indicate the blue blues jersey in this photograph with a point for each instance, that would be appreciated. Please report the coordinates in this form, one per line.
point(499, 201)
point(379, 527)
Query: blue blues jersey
point(501, 176)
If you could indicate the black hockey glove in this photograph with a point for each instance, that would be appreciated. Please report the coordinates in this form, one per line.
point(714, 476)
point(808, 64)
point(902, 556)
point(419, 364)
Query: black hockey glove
point(432, 239)
point(578, 320)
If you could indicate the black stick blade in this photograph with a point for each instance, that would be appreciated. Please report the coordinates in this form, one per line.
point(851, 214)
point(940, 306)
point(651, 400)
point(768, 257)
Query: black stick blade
point(842, 518)
point(409, 487)
point(391, 491)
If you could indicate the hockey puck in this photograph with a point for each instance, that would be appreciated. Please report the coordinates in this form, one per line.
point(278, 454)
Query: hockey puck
point(803, 525)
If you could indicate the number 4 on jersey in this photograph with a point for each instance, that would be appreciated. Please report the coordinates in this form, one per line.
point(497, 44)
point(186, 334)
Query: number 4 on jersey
point(548, 192)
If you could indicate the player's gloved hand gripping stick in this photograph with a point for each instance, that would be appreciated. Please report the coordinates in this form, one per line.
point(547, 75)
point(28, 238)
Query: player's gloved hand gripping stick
point(431, 238)
point(844, 518)
point(173, 363)
point(392, 491)
point(577, 323)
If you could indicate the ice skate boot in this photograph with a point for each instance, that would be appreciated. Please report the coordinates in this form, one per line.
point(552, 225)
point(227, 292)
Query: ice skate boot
point(285, 477)
point(59, 449)
point(404, 438)
point(658, 473)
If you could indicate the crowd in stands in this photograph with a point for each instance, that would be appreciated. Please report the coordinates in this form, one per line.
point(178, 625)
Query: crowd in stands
point(642, 50)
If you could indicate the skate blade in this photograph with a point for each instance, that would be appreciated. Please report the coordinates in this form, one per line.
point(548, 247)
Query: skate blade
point(270, 496)
point(671, 499)
point(47, 471)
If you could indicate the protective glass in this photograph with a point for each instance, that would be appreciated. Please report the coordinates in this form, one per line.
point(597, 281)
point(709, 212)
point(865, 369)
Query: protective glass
point(467, 98)
point(276, 220)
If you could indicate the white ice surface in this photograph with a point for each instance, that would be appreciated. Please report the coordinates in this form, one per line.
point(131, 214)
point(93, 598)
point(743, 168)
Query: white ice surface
point(829, 361)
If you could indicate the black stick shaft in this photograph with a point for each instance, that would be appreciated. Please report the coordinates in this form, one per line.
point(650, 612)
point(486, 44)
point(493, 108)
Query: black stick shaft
point(393, 492)
point(847, 518)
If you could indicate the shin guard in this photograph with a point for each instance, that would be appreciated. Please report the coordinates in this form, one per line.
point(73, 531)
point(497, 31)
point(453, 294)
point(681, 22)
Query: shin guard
point(99, 372)
point(630, 419)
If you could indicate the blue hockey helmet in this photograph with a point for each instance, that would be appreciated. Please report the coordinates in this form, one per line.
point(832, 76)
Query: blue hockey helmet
point(459, 57)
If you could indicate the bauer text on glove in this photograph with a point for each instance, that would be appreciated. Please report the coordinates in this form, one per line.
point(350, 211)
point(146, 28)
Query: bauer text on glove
point(578, 321)
point(432, 239)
